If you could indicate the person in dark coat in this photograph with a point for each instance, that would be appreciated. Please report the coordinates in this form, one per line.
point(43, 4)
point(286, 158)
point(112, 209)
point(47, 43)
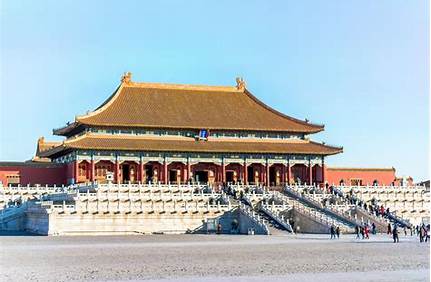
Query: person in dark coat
point(395, 234)
point(389, 228)
point(357, 232)
point(337, 231)
point(373, 228)
point(332, 232)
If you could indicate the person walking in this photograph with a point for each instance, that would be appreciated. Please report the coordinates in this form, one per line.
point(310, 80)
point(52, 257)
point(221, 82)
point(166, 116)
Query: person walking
point(373, 228)
point(357, 232)
point(395, 234)
point(219, 228)
point(389, 228)
point(421, 233)
point(337, 231)
point(332, 232)
point(366, 231)
point(362, 232)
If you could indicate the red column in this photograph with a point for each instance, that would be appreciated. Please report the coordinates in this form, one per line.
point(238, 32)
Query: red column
point(323, 171)
point(92, 170)
point(289, 173)
point(117, 171)
point(283, 174)
point(267, 174)
point(165, 172)
point(310, 174)
point(76, 171)
point(141, 171)
point(245, 173)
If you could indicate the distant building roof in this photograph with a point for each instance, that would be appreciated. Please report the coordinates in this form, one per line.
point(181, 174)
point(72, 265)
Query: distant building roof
point(360, 168)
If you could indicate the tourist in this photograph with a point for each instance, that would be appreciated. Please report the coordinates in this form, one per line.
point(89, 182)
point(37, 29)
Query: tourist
point(332, 232)
point(395, 234)
point(219, 228)
point(337, 231)
point(366, 231)
point(373, 228)
point(362, 232)
point(357, 232)
point(421, 233)
point(292, 223)
point(389, 228)
point(234, 226)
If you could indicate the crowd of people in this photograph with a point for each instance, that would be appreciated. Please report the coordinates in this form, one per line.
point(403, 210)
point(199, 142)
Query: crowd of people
point(335, 232)
point(363, 231)
point(423, 232)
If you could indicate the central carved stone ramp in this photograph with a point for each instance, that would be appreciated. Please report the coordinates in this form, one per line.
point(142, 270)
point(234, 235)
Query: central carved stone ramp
point(309, 218)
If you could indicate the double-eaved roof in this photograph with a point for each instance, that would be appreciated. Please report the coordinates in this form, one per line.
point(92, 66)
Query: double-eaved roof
point(194, 107)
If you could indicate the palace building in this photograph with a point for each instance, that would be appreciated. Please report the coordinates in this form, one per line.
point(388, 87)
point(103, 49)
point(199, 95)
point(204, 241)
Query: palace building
point(172, 133)
point(153, 156)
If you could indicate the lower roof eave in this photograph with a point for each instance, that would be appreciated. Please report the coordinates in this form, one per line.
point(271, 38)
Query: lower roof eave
point(68, 150)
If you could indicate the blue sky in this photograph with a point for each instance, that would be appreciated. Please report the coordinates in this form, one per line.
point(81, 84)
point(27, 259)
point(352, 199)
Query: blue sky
point(359, 67)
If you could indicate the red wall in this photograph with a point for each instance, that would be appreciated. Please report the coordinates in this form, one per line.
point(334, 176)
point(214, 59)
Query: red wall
point(35, 174)
point(368, 175)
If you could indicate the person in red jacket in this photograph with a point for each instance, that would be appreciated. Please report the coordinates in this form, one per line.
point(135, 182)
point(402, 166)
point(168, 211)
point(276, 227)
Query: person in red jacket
point(366, 231)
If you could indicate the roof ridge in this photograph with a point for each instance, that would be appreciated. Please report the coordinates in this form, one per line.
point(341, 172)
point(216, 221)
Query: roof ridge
point(180, 86)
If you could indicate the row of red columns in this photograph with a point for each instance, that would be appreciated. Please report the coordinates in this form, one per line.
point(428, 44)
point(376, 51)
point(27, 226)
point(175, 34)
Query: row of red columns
point(165, 172)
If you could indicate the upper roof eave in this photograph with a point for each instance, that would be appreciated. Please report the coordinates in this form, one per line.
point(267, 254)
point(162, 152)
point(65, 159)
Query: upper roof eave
point(90, 120)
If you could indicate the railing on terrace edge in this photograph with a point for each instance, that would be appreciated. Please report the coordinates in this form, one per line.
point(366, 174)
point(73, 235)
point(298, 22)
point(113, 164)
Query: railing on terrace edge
point(249, 197)
point(150, 192)
point(341, 217)
point(238, 185)
point(131, 208)
point(361, 187)
point(254, 217)
point(277, 217)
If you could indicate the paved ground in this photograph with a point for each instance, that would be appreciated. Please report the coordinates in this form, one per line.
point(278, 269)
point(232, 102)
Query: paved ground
point(213, 258)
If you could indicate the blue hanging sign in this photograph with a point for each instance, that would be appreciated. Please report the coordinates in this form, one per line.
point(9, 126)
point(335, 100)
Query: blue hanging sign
point(203, 134)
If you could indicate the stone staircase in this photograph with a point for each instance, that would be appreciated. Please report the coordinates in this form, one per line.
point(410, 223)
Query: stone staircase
point(317, 213)
point(11, 218)
point(380, 221)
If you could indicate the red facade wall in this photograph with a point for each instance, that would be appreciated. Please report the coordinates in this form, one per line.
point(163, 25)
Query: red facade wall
point(50, 174)
point(363, 175)
point(30, 174)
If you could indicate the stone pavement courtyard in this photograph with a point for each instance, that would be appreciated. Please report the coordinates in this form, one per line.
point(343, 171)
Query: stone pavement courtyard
point(213, 258)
